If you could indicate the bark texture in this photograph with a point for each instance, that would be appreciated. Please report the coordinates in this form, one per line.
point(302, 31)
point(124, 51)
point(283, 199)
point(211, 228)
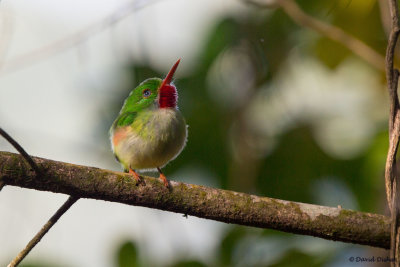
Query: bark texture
point(200, 201)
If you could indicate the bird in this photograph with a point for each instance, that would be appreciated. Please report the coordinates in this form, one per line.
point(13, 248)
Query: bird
point(149, 131)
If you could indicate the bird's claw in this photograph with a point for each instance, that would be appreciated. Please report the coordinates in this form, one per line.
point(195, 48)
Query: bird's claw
point(164, 180)
point(135, 175)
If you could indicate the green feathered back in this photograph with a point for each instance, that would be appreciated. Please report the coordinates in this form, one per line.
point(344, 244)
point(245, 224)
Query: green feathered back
point(125, 119)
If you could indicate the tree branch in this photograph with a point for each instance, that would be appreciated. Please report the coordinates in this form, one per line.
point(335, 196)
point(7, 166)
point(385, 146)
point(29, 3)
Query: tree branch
point(391, 176)
point(22, 151)
point(358, 47)
point(36, 239)
point(204, 202)
point(337, 34)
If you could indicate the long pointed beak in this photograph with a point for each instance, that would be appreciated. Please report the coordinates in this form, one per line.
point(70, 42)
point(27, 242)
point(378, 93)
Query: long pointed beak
point(170, 74)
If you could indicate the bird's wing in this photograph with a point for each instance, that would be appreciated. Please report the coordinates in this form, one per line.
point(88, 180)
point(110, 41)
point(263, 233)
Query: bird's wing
point(123, 119)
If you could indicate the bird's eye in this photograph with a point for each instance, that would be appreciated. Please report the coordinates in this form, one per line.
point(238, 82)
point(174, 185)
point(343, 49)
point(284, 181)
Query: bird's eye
point(146, 93)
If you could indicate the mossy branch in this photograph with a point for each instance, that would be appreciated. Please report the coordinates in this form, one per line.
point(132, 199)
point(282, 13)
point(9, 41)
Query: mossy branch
point(204, 202)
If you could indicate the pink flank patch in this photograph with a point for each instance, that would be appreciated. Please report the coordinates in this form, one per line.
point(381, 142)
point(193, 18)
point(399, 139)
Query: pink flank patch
point(119, 135)
point(168, 96)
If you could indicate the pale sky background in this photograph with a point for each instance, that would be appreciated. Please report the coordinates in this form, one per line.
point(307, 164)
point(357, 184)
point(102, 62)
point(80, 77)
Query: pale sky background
point(50, 106)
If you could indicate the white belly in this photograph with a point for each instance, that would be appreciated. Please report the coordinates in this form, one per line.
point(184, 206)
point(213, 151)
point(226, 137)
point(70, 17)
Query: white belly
point(155, 138)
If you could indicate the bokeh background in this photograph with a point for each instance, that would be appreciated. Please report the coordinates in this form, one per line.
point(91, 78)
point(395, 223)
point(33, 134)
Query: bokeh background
point(273, 109)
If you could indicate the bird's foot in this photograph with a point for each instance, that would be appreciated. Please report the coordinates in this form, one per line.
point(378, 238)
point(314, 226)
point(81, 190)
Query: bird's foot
point(163, 178)
point(135, 175)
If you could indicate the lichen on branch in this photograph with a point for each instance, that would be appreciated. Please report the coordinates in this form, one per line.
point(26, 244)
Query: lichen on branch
point(210, 203)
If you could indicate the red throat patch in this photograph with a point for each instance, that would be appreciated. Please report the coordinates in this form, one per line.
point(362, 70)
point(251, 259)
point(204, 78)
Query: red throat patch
point(168, 96)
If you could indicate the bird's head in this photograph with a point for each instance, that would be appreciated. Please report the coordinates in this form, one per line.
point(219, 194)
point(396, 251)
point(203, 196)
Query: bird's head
point(153, 92)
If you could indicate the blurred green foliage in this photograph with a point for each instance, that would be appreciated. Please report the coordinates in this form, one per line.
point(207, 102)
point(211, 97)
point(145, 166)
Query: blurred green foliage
point(127, 255)
point(189, 264)
point(297, 162)
point(38, 264)
point(295, 258)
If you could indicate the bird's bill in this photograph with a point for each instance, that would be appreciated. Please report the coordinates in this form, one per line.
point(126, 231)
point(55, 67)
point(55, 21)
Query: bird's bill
point(170, 74)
